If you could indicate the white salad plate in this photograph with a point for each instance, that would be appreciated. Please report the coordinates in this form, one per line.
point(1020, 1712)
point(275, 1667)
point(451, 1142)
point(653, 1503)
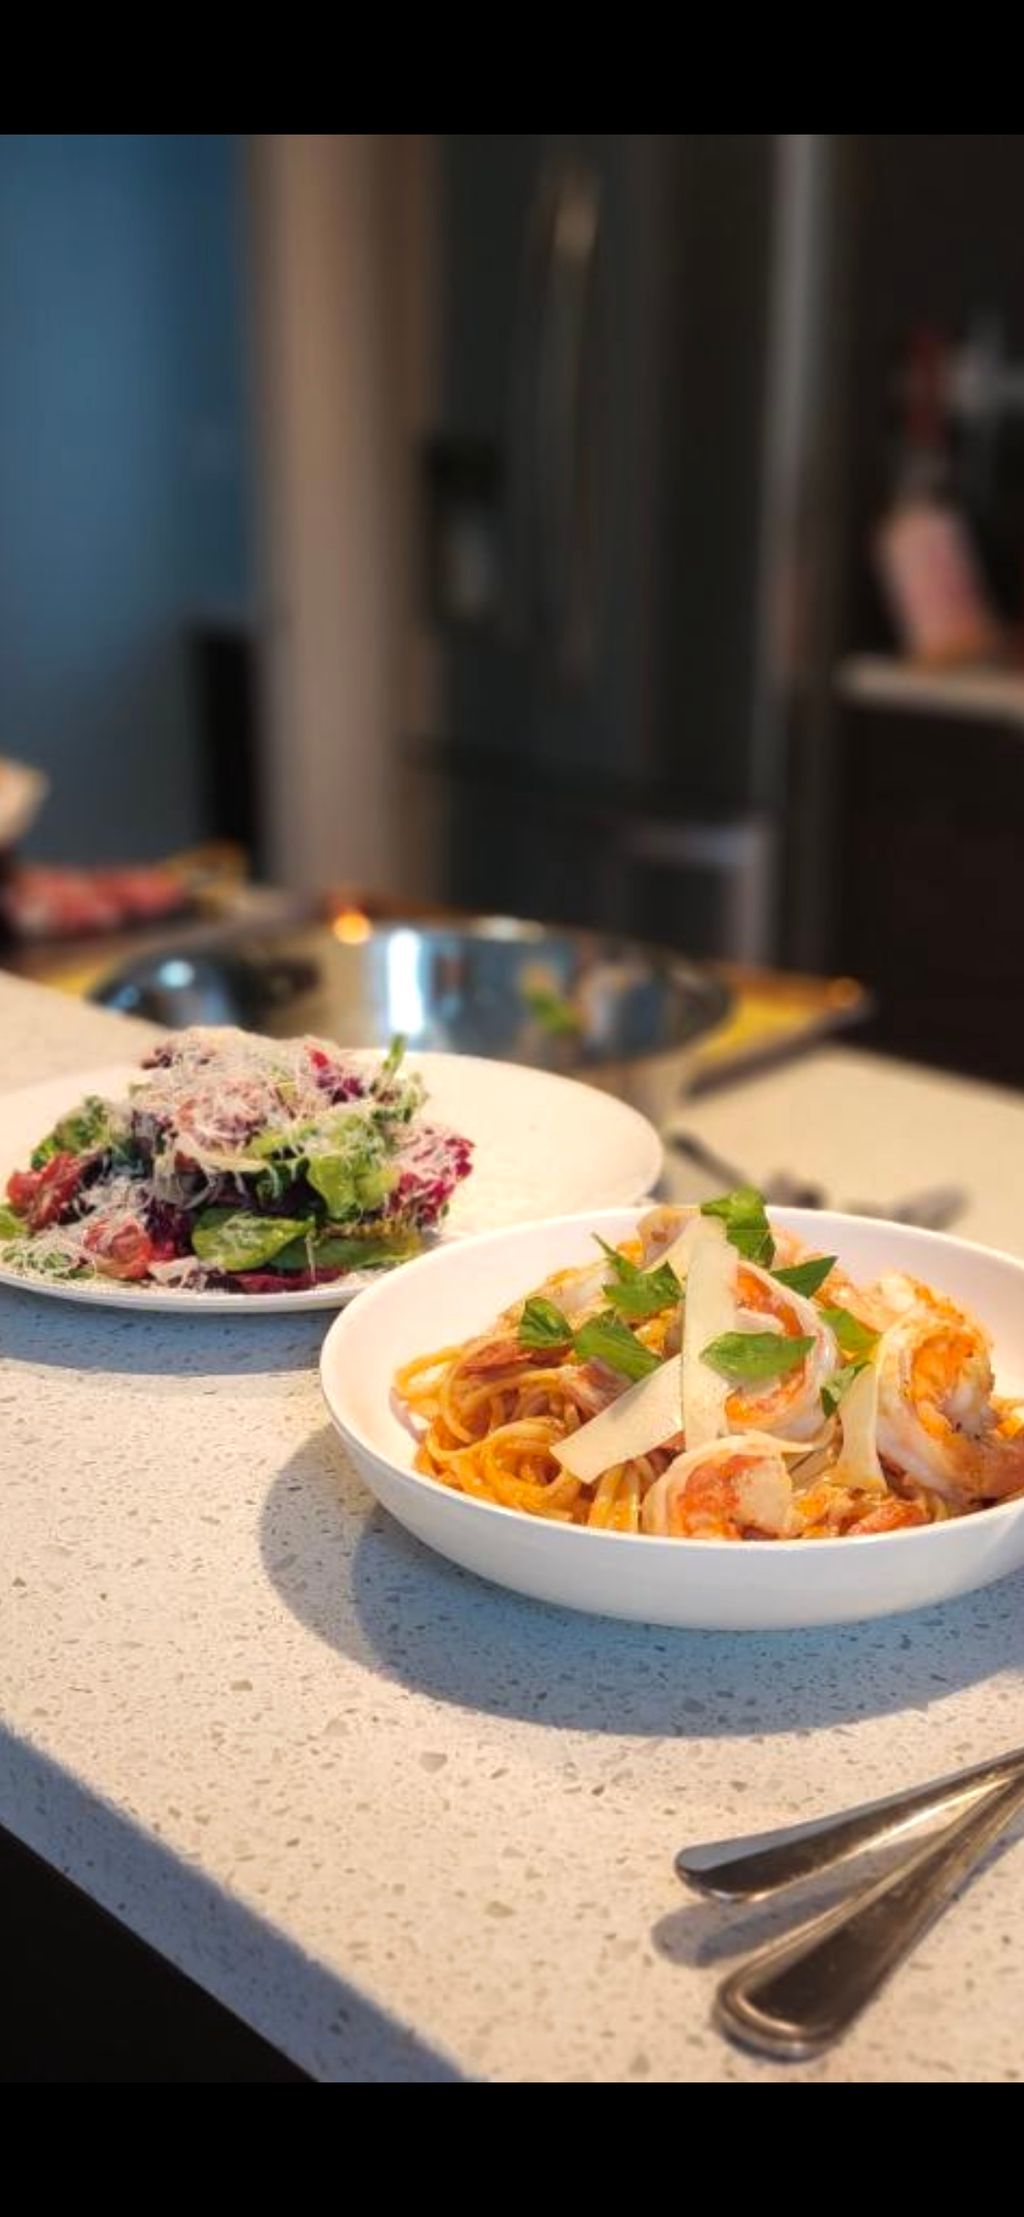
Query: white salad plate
point(541, 1143)
point(708, 1585)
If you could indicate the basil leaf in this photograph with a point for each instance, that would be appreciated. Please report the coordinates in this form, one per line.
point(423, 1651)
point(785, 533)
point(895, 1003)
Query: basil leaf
point(747, 1227)
point(651, 1292)
point(543, 1326)
point(232, 1239)
point(837, 1387)
point(12, 1226)
point(636, 1292)
point(855, 1339)
point(751, 1358)
point(807, 1277)
point(605, 1340)
point(621, 1267)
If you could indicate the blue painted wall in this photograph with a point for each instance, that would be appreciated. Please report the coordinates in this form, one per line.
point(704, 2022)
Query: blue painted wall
point(123, 483)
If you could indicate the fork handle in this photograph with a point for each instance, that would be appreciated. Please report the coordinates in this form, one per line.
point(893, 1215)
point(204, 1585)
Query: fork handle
point(800, 1994)
point(764, 1862)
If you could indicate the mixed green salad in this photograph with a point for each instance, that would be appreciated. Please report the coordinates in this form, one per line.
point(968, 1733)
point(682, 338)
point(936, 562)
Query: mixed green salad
point(241, 1163)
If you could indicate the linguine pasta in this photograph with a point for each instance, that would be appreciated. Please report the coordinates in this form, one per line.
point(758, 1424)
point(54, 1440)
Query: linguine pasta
point(711, 1379)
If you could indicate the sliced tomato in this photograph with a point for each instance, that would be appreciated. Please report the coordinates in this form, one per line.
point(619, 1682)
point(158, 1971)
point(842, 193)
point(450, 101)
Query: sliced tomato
point(22, 1186)
point(56, 1186)
point(123, 1252)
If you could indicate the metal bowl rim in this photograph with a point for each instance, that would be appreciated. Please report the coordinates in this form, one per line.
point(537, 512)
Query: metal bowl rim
point(712, 998)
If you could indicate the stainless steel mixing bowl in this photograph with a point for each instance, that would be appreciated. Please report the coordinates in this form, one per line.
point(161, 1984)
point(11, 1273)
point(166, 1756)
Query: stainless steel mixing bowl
point(614, 1012)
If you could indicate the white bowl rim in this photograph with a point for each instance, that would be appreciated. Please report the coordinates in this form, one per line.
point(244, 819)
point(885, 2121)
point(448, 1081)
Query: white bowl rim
point(572, 1534)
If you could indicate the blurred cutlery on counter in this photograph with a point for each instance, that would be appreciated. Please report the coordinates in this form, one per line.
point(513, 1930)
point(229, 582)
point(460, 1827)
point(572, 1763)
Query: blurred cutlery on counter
point(932, 1210)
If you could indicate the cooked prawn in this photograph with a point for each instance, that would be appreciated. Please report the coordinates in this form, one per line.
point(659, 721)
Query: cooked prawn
point(890, 1516)
point(495, 1355)
point(791, 1403)
point(937, 1418)
point(724, 1493)
point(659, 1230)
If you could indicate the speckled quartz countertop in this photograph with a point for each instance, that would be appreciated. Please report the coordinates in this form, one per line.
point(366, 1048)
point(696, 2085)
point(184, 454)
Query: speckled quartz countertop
point(407, 1826)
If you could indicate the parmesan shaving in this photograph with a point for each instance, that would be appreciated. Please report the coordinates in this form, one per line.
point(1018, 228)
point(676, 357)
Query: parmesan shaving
point(639, 1421)
point(679, 1255)
point(858, 1463)
point(710, 1314)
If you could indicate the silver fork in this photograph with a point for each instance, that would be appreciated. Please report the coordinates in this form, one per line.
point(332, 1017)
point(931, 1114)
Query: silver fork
point(798, 1995)
point(750, 1868)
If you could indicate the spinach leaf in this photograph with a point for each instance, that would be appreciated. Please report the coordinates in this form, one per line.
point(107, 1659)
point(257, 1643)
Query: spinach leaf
point(343, 1154)
point(349, 1187)
point(336, 1250)
point(233, 1239)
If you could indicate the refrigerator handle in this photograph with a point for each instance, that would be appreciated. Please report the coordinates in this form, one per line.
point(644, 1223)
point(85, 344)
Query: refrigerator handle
point(551, 565)
point(564, 401)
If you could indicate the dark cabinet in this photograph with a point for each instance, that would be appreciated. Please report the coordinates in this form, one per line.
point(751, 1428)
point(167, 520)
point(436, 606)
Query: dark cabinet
point(930, 862)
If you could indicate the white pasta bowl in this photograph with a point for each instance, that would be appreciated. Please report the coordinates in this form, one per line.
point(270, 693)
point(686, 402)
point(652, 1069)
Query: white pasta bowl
point(698, 1584)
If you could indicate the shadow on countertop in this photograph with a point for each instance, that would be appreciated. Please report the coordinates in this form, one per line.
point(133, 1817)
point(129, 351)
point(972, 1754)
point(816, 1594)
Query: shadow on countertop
point(69, 1335)
point(275, 1990)
point(85, 2002)
point(357, 1580)
point(709, 1935)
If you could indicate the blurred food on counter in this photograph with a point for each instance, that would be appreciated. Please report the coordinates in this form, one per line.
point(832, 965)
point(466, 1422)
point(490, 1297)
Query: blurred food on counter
point(42, 903)
point(22, 793)
point(927, 561)
point(49, 905)
point(52, 905)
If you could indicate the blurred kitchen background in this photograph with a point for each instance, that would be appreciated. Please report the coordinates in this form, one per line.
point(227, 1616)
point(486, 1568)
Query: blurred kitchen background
point(625, 530)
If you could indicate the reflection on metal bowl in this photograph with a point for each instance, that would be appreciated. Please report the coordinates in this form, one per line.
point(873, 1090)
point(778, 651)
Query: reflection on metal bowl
point(618, 1014)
